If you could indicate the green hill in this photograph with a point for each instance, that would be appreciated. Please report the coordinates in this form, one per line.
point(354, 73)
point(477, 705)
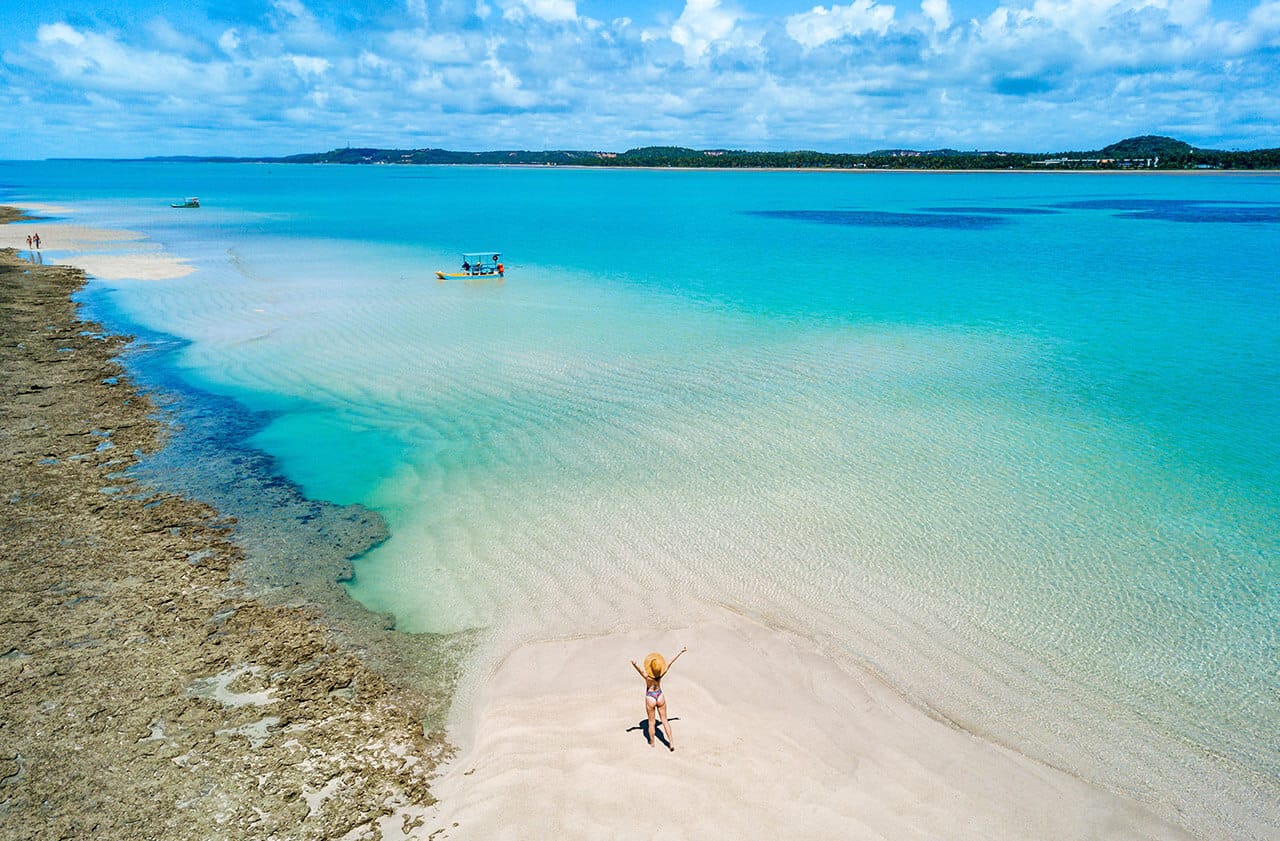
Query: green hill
point(1148, 146)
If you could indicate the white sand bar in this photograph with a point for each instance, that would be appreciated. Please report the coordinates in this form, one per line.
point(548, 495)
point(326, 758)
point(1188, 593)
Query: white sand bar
point(773, 741)
point(104, 253)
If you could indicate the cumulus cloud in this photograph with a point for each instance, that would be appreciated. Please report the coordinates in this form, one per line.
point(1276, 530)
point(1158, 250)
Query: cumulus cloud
point(1266, 18)
point(505, 86)
point(308, 65)
point(164, 35)
point(229, 41)
point(817, 27)
point(1025, 74)
point(702, 23)
point(293, 8)
point(434, 48)
point(97, 62)
point(938, 12)
point(554, 11)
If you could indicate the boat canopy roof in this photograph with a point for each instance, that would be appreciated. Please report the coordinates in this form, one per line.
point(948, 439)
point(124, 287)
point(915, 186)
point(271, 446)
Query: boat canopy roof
point(482, 255)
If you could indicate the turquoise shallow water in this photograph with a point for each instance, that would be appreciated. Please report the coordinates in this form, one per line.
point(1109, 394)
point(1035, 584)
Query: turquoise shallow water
point(1013, 440)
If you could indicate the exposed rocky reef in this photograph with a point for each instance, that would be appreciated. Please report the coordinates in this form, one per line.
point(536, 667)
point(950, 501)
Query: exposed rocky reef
point(146, 692)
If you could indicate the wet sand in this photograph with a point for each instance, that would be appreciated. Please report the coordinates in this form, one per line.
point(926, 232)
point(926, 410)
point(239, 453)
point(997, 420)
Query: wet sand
point(146, 694)
point(101, 252)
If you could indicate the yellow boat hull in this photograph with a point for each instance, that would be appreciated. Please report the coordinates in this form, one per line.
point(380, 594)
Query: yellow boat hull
point(441, 275)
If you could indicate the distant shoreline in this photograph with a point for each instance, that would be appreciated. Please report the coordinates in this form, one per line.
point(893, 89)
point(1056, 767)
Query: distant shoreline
point(851, 171)
point(1145, 153)
point(769, 169)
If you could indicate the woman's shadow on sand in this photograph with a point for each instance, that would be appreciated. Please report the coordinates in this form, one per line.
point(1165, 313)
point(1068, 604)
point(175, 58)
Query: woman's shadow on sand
point(643, 727)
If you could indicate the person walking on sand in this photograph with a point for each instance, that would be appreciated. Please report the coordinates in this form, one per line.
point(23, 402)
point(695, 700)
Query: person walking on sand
point(654, 701)
point(28, 242)
point(36, 237)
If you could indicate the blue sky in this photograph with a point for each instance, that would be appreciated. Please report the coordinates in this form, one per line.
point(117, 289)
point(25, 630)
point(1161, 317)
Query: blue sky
point(250, 77)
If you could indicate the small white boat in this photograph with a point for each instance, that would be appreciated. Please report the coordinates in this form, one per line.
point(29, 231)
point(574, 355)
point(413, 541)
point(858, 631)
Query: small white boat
point(477, 265)
point(190, 201)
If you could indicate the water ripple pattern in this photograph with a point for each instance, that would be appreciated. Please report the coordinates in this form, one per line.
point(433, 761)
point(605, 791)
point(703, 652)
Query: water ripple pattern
point(987, 435)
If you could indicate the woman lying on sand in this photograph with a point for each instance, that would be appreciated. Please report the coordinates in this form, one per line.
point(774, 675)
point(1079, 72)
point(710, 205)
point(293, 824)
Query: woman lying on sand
point(654, 668)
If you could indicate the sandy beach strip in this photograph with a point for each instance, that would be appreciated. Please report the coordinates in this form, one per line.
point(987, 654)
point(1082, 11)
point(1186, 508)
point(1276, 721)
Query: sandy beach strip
point(773, 740)
point(145, 695)
point(106, 253)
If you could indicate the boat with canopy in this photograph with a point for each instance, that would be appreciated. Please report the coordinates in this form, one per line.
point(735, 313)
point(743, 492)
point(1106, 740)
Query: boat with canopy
point(476, 264)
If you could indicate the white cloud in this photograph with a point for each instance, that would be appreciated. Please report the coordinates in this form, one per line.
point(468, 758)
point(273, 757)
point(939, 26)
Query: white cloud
point(308, 65)
point(505, 86)
point(1093, 21)
point(939, 12)
point(104, 103)
point(702, 23)
point(294, 8)
point(436, 48)
point(163, 34)
point(372, 62)
point(555, 11)
point(229, 41)
point(427, 85)
point(59, 33)
point(821, 25)
point(93, 61)
point(1266, 17)
point(294, 27)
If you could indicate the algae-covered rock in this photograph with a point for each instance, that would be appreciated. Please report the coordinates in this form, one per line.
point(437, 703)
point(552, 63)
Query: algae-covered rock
point(118, 600)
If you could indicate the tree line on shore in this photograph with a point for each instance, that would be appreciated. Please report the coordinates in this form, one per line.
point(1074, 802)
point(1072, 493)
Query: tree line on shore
point(1146, 152)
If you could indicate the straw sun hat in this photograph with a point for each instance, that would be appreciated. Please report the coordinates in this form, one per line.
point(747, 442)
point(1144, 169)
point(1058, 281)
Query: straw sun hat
point(655, 666)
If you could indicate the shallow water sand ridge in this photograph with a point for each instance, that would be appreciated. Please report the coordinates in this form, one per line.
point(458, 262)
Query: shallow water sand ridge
point(102, 252)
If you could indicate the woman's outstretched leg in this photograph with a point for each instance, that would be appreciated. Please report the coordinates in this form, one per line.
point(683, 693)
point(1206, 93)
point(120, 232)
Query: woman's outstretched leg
point(666, 727)
point(648, 708)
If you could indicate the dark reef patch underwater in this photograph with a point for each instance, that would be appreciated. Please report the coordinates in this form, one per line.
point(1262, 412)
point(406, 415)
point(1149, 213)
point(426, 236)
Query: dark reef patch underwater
point(290, 540)
point(982, 218)
point(993, 211)
point(1180, 210)
point(888, 219)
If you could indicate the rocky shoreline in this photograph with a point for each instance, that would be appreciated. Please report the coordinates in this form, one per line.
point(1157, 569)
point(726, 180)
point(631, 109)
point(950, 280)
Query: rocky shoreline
point(146, 693)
